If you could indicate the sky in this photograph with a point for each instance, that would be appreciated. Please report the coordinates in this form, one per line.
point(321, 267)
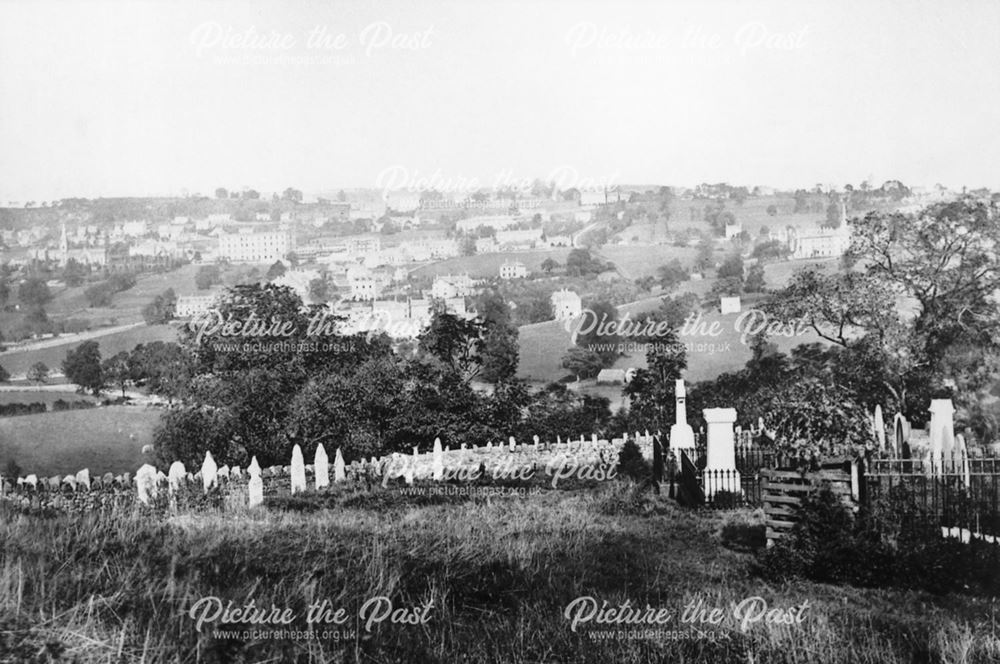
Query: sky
point(167, 98)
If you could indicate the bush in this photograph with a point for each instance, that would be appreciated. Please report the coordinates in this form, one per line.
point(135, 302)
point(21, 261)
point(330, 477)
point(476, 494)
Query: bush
point(828, 544)
point(631, 462)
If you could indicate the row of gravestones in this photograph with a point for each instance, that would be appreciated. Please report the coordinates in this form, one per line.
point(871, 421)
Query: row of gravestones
point(148, 481)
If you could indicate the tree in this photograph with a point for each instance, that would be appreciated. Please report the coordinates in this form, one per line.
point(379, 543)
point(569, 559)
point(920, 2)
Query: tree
point(467, 245)
point(832, 216)
point(82, 367)
point(34, 292)
point(118, 370)
point(276, 270)
point(582, 363)
point(207, 276)
point(944, 260)
point(580, 263)
point(755, 279)
point(161, 309)
point(319, 290)
point(706, 250)
point(772, 210)
point(100, 294)
point(594, 334)
point(548, 265)
point(651, 390)
point(221, 193)
point(500, 347)
point(672, 274)
point(38, 372)
point(732, 267)
point(454, 342)
point(771, 250)
point(73, 273)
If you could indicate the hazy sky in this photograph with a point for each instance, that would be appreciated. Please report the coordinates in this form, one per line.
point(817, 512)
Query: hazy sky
point(116, 98)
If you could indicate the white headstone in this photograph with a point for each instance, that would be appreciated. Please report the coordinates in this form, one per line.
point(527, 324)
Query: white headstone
point(321, 464)
point(535, 440)
point(339, 472)
point(175, 475)
point(513, 443)
point(32, 481)
point(720, 468)
point(145, 483)
point(879, 427)
point(208, 471)
point(681, 433)
point(223, 472)
point(298, 474)
point(437, 462)
point(942, 428)
point(255, 486)
point(83, 478)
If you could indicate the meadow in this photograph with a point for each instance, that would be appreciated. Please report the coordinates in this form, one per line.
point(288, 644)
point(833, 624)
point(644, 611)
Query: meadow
point(17, 362)
point(105, 439)
point(478, 579)
point(543, 345)
point(484, 266)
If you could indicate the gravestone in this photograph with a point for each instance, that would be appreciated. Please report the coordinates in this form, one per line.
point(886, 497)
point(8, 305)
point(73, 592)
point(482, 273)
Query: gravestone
point(83, 478)
point(720, 469)
point(339, 474)
point(879, 428)
point(298, 470)
point(512, 442)
point(255, 486)
point(223, 473)
point(175, 475)
point(145, 483)
point(321, 463)
point(208, 471)
point(942, 429)
point(681, 433)
point(438, 461)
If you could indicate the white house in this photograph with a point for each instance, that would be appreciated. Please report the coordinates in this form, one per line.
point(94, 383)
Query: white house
point(513, 270)
point(566, 305)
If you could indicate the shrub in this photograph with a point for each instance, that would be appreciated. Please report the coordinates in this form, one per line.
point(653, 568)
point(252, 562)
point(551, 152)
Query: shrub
point(830, 545)
point(631, 462)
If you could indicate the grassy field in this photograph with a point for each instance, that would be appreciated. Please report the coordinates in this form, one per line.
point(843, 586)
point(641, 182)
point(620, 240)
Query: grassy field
point(18, 362)
point(480, 579)
point(544, 344)
point(636, 262)
point(46, 397)
point(107, 439)
point(481, 266)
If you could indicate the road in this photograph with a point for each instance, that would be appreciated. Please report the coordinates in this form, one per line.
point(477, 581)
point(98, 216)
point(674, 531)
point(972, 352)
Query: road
point(64, 339)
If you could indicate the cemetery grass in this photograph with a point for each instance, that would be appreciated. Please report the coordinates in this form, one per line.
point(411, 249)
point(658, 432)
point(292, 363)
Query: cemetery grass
point(116, 587)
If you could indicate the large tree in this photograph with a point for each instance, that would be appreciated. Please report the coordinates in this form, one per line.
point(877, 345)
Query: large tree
point(82, 366)
point(920, 306)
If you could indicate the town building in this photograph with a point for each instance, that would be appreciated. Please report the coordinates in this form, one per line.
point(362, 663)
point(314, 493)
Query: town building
point(452, 285)
point(513, 270)
point(191, 306)
point(247, 246)
point(566, 304)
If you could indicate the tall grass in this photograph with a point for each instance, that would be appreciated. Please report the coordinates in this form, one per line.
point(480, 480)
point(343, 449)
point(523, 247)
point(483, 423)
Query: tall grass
point(499, 572)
